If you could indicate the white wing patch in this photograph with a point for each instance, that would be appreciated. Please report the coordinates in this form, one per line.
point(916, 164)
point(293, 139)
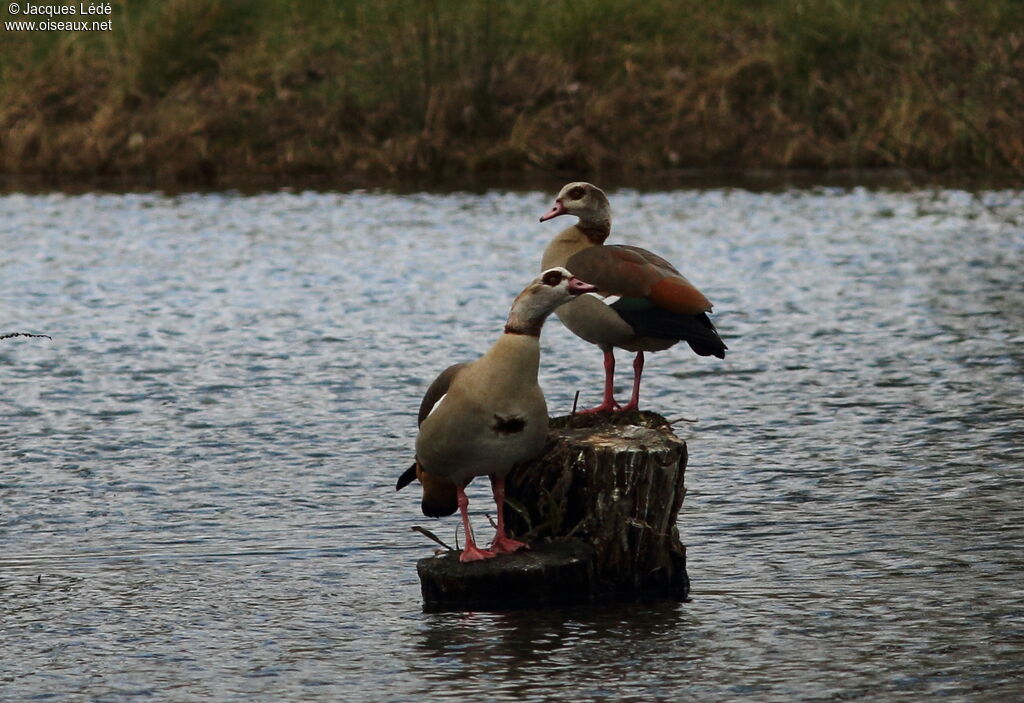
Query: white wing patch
point(607, 299)
point(436, 405)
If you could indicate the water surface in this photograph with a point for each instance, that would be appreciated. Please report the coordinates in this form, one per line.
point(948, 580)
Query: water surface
point(197, 472)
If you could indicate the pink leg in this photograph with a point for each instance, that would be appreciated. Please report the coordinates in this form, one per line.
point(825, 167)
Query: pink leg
point(638, 368)
point(471, 552)
point(608, 403)
point(501, 543)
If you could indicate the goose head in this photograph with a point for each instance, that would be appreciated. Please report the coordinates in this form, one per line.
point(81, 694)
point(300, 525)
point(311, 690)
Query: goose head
point(554, 287)
point(585, 200)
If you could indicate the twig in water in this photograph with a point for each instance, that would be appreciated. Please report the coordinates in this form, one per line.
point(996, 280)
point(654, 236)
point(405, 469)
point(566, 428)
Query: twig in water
point(574, 401)
point(681, 419)
point(430, 535)
point(8, 335)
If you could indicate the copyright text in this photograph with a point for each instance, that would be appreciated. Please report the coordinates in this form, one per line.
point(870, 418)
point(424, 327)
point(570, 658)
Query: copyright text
point(88, 17)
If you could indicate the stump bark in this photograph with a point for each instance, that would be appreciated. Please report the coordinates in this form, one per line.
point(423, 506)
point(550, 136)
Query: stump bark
point(608, 485)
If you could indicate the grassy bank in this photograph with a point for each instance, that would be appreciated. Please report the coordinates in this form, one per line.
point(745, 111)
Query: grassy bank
point(202, 89)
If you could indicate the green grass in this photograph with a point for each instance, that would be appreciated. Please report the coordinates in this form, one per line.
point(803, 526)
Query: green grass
point(187, 89)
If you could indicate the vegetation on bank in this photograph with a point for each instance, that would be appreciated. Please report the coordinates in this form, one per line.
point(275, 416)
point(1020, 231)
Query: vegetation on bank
point(200, 89)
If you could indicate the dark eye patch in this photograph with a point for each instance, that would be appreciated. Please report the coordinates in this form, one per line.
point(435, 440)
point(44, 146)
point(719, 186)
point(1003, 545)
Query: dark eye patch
point(576, 193)
point(552, 278)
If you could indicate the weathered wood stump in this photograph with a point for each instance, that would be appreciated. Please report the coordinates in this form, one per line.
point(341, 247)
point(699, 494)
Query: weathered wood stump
point(611, 484)
point(550, 574)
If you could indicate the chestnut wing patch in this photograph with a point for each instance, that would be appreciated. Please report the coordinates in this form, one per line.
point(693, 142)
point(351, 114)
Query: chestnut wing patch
point(676, 294)
point(614, 270)
point(508, 425)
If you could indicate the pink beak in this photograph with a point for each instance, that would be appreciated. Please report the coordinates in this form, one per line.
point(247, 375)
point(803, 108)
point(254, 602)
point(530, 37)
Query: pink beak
point(576, 286)
point(557, 210)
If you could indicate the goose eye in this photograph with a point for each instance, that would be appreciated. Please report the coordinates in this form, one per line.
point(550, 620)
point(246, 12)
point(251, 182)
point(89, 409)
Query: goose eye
point(576, 193)
point(552, 278)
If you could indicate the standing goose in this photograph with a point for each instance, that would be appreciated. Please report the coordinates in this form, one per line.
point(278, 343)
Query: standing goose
point(482, 418)
point(643, 303)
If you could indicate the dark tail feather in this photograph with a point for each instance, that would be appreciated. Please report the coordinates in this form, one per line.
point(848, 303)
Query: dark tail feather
point(696, 330)
point(406, 478)
point(708, 349)
point(711, 344)
point(439, 495)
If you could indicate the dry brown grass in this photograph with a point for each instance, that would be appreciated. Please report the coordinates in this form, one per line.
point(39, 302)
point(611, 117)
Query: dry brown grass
point(189, 90)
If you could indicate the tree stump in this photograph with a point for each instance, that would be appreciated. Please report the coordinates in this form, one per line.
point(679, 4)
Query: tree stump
point(550, 574)
point(615, 482)
point(609, 483)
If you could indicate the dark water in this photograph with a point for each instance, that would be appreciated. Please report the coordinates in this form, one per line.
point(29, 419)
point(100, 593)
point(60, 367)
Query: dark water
point(197, 471)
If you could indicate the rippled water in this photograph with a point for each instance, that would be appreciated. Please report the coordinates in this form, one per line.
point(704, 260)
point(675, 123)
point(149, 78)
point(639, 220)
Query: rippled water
point(197, 471)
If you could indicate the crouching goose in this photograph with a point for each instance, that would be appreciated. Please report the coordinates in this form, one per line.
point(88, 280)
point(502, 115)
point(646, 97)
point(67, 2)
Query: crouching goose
point(482, 418)
point(643, 303)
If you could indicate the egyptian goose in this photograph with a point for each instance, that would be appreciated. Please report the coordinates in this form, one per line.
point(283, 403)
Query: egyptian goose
point(642, 304)
point(482, 418)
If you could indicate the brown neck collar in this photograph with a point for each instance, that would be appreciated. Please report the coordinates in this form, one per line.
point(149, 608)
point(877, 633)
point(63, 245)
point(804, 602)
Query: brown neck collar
point(596, 232)
point(530, 329)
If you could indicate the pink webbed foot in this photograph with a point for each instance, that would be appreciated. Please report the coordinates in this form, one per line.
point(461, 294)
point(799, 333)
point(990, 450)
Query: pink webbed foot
point(507, 545)
point(602, 408)
point(474, 553)
point(471, 552)
point(502, 543)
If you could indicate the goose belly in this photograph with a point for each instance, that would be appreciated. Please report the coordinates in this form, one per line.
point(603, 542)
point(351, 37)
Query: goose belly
point(589, 318)
point(484, 441)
